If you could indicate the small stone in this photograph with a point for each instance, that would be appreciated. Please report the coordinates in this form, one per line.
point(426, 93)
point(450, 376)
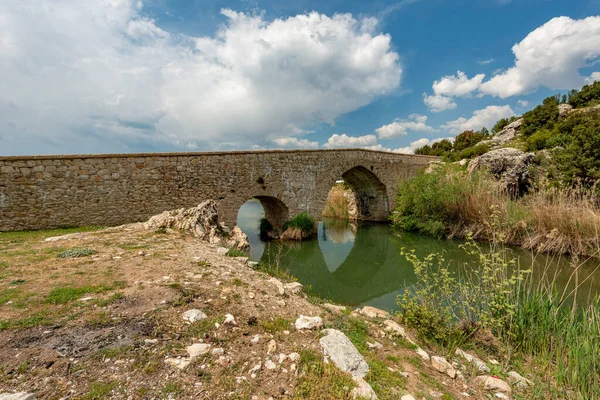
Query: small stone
point(251, 295)
point(229, 320)
point(293, 288)
point(280, 302)
point(252, 264)
point(407, 397)
point(516, 379)
point(178, 362)
point(362, 390)
point(85, 298)
point(255, 339)
point(435, 394)
point(194, 315)
point(271, 347)
point(373, 312)
point(222, 250)
point(334, 308)
point(294, 357)
point(442, 365)
point(501, 396)
point(394, 328)
point(150, 341)
point(404, 374)
point(493, 383)
point(224, 360)
point(375, 345)
point(255, 369)
point(480, 365)
point(423, 354)
point(278, 285)
point(197, 349)
point(304, 322)
point(218, 351)
point(270, 365)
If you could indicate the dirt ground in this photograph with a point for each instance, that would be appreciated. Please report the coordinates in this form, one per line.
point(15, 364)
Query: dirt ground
point(110, 325)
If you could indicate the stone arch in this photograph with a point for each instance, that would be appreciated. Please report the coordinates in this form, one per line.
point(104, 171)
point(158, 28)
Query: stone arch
point(370, 194)
point(276, 212)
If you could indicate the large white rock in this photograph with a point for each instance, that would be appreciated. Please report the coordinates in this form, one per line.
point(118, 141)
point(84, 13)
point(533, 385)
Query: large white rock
point(509, 165)
point(491, 383)
point(293, 287)
point(480, 365)
point(304, 322)
point(442, 365)
point(373, 312)
point(394, 328)
point(363, 390)
point(194, 315)
point(17, 396)
point(278, 285)
point(342, 353)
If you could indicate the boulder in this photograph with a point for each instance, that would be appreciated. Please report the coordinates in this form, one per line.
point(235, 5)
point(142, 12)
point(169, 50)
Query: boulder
point(519, 381)
point(492, 383)
point(564, 110)
point(342, 353)
point(293, 287)
point(394, 328)
point(201, 221)
point(509, 165)
point(480, 365)
point(505, 135)
point(304, 322)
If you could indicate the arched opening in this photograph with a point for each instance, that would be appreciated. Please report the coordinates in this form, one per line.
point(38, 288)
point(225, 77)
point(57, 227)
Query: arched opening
point(358, 195)
point(251, 213)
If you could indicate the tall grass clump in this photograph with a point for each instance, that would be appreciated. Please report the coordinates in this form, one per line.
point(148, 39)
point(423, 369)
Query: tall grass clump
point(337, 203)
point(449, 202)
point(494, 304)
point(301, 227)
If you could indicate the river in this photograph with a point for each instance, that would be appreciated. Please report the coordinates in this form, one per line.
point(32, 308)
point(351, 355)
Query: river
point(359, 264)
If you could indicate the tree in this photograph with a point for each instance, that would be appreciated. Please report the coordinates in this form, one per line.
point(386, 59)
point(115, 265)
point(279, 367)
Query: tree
point(588, 95)
point(543, 116)
point(468, 139)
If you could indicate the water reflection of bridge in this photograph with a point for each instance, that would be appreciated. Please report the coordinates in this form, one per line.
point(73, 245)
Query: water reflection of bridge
point(348, 265)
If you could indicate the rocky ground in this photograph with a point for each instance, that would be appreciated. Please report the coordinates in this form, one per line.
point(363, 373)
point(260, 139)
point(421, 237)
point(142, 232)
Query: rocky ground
point(155, 314)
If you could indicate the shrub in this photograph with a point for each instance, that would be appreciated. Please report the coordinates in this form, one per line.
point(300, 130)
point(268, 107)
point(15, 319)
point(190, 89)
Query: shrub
point(468, 139)
point(76, 252)
point(337, 203)
point(302, 226)
point(500, 125)
point(539, 140)
point(543, 116)
point(588, 95)
point(474, 151)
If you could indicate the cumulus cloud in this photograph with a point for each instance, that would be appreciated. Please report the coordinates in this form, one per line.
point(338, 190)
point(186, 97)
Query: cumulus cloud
point(486, 117)
point(98, 75)
point(550, 56)
point(295, 143)
point(438, 103)
point(400, 127)
point(457, 85)
point(595, 76)
point(345, 141)
point(420, 143)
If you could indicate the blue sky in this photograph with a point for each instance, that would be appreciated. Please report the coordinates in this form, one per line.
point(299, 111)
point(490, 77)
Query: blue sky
point(97, 76)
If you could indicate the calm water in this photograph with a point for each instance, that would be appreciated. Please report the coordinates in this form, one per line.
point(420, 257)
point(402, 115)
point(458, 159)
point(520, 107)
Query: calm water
point(360, 264)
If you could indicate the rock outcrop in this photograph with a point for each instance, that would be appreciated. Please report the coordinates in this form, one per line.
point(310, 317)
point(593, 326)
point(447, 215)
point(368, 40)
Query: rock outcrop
point(507, 164)
point(201, 221)
point(505, 135)
point(342, 352)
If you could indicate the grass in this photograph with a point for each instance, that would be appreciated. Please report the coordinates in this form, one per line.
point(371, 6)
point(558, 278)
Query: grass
point(385, 383)
point(275, 325)
point(450, 202)
point(301, 227)
point(100, 390)
point(321, 381)
point(76, 252)
point(27, 236)
point(233, 252)
point(64, 295)
point(337, 203)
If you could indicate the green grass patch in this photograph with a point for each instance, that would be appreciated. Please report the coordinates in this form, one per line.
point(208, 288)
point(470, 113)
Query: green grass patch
point(26, 236)
point(275, 271)
point(100, 390)
point(233, 252)
point(64, 295)
point(275, 325)
point(321, 381)
point(385, 383)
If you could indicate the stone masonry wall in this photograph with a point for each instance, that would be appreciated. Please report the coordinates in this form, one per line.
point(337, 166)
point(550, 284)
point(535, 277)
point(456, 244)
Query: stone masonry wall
point(44, 192)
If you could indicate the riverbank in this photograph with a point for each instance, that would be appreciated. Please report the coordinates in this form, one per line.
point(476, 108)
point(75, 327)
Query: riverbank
point(447, 201)
point(110, 324)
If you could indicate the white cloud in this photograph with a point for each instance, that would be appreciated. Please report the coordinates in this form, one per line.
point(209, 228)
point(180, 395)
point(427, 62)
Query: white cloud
point(295, 143)
point(486, 117)
point(345, 141)
point(420, 143)
point(457, 85)
point(595, 76)
point(550, 56)
point(486, 62)
point(97, 75)
point(523, 103)
point(400, 127)
point(438, 103)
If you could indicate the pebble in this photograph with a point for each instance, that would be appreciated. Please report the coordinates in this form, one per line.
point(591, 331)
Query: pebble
point(229, 320)
point(194, 315)
point(271, 347)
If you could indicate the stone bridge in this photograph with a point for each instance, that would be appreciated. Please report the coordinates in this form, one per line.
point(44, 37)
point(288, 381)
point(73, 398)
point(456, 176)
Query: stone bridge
point(41, 192)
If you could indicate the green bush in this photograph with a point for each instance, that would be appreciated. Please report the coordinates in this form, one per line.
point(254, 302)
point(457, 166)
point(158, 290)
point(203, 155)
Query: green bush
point(304, 223)
point(76, 252)
point(431, 203)
point(588, 95)
point(543, 116)
point(474, 151)
point(539, 140)
point(264, 228)
point(500, 125)
point(468, 139)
